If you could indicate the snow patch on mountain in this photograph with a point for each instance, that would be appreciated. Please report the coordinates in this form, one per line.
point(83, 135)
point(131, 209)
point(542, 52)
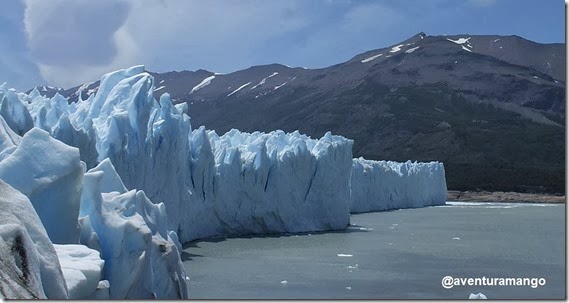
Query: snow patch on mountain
point(239, 88)
point(205, 82)
point(459, 41)
point(371, 58)
point(396, 48)
point(264, 80)
point(412, 50)
point(280, 85)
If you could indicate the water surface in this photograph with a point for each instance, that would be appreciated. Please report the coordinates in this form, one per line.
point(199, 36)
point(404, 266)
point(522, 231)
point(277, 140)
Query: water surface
point(400, 254)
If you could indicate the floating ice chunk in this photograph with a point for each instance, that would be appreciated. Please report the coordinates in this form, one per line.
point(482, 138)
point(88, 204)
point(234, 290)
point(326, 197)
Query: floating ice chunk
point(284, 282)
point(161, 87)
point(348, 288)
point(102, 292)
point(466, 49)
point(456, 238)
point(345, 255)
point(478, 296)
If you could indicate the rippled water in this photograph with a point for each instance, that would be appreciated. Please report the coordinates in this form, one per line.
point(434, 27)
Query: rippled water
point(391, 255)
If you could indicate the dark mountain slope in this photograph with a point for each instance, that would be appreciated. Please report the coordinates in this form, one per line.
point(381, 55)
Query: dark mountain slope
point(492, 108)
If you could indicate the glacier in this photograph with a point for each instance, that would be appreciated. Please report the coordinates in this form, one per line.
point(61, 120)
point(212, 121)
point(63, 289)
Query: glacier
point(386, 185)
point(74, 207)
point(127, 176)
point(211, 185)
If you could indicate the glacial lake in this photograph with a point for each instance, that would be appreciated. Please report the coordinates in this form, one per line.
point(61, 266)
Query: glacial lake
point(401, 254)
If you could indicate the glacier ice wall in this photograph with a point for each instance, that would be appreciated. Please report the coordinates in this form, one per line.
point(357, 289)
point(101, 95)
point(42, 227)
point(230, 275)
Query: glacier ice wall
point(385, 185)
point(211, 185)
point(259, 183)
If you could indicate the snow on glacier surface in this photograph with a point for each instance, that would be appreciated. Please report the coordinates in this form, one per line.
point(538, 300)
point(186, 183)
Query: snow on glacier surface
point(385, 185)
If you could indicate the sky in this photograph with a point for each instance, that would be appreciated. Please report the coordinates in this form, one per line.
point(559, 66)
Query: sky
point(65, 43)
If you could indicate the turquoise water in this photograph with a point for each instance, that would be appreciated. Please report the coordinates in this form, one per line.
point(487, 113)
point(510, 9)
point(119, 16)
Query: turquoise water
point(400, 254)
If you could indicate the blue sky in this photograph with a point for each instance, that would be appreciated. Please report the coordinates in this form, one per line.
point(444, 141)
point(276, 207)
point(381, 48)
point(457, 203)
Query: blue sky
point(68, 42)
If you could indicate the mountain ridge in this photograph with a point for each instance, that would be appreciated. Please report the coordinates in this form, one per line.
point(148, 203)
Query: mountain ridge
point(488, 106)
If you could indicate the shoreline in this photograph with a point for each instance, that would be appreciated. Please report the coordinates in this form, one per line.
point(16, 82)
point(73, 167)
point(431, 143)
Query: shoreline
point(508, 197)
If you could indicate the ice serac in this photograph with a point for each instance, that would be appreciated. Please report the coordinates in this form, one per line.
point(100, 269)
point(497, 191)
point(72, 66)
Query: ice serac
point(50, 174)
point(141, 259)
point(29, 267)
point(9, 140)
point(13, 110)
point(385, 185)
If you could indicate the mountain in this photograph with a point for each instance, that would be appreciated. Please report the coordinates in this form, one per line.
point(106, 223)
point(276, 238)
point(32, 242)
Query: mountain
point(492, 108)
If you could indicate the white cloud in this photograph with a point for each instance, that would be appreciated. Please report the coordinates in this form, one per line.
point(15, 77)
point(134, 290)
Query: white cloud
point(174, 34)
